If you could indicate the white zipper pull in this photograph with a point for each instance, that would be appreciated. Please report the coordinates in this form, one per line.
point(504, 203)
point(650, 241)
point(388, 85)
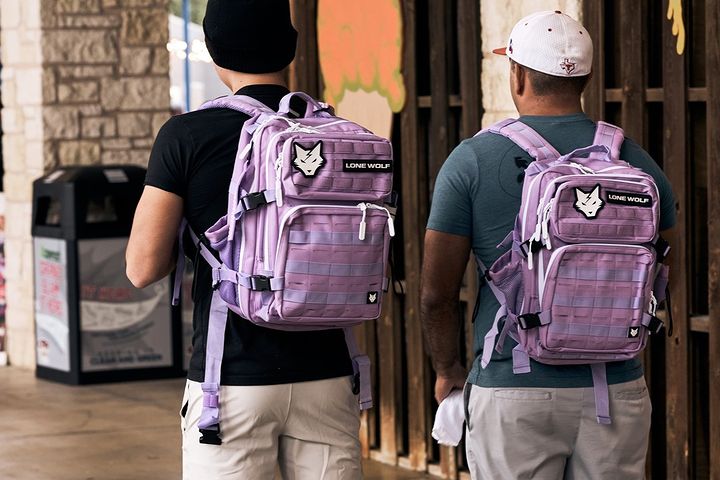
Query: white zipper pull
point(363, 207)
point(390, 222)
point(391, 225)
point(535, 237)
point(278, 180)
point(585, 170)
point(653, 304)
point(545, 225)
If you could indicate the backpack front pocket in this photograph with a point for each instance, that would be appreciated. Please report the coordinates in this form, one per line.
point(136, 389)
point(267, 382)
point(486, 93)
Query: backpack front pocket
point(595, 296)
point(605, 209)
point(337, 167)
point(332, 259)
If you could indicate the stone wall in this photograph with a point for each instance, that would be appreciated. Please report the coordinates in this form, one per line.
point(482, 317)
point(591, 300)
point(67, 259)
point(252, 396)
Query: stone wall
point(105, 79)
point(497, 19)
point(83, 82)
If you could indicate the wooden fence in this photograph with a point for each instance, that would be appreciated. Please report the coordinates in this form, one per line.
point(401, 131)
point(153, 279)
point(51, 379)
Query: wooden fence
point(670, 102)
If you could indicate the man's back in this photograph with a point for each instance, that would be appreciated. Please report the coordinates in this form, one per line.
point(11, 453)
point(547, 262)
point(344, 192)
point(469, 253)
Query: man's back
point(478, 194)
point(193, 157)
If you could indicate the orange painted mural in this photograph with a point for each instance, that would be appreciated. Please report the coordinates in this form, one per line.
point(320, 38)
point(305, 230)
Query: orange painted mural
point(360, 52)
point(674, 14)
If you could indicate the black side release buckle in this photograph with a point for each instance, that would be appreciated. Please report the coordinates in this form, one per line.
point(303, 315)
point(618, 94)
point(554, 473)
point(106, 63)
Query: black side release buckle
point(356, 384)
point(259, 283)
point(251, 201)
point(530, 246)
point(656, 325)
point(529, 320)
point(662, 249)
point(211, 435)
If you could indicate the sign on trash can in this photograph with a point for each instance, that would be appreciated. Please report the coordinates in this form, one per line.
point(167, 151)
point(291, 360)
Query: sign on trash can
point(92, 325)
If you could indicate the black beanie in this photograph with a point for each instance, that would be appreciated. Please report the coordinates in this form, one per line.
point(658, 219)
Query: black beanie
point(250, 36)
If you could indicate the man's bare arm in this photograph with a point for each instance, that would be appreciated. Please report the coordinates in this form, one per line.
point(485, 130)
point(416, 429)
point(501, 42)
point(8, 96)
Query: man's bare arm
point(151, 250)
point(444, 263)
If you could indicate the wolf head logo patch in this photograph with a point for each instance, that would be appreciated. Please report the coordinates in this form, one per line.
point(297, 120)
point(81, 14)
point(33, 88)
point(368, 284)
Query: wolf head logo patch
point(372, 298)
point(588, 203)
point(633, 332)
point(309, 161)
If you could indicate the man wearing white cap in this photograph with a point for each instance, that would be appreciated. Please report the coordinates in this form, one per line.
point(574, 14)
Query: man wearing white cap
point(542, 424)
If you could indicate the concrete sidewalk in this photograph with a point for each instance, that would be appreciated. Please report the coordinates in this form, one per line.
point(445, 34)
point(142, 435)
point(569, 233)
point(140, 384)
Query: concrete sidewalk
point(123, 431)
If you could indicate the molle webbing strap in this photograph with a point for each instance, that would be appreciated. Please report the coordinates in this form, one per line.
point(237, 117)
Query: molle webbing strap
point(210, 416)
point(334, 269)
point(602, 394)
point(526, 138)
point(324, 298)
point(610, 136)
point(179, 265)
point(333, 238)
point(607, 331)
point(489, 343)
point(571, 272)
point(361, 370)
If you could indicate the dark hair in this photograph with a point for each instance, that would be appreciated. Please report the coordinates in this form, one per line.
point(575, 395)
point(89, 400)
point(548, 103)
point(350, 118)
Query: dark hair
point(550, 85)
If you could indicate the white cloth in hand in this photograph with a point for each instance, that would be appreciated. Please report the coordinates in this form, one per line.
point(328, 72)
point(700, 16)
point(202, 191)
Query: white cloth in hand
point(450, 419)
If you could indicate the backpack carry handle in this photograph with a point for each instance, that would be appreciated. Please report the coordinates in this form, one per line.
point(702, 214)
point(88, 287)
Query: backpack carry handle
point(241, 103)
point(605, 152)
point(313, 109)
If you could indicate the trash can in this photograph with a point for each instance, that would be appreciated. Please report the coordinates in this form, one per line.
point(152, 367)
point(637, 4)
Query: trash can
point(92, 324)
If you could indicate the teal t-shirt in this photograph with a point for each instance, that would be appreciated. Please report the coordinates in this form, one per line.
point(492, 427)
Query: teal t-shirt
point(477, 194)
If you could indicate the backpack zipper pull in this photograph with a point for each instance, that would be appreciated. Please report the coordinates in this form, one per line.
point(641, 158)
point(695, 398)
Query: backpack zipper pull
point(546, 225)
point(390, 222)
point(278, 180)
point(583, 169)
point(363, 208)
point(653, 304)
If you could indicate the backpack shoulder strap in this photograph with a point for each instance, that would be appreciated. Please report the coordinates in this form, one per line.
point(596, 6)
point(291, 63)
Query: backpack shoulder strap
point(524, 137)
point(610, 136)
point(241, 103)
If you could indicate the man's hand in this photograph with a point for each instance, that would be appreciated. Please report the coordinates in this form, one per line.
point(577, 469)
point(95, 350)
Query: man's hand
point(449, 380)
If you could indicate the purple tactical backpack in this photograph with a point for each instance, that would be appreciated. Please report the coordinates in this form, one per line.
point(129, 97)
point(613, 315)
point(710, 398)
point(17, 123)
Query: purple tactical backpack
point(583, 277)
point(305, 242)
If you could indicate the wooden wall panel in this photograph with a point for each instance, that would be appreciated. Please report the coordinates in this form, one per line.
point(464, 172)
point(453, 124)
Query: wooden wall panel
point(675, 163)
point(304, 71)
point(412, 227)
point(712, 27)
point(439, 112)
point(632, 40)
point(594, 98)
point(389, 371)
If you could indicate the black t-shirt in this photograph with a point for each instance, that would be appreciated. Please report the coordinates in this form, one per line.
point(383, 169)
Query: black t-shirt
point(193, 157)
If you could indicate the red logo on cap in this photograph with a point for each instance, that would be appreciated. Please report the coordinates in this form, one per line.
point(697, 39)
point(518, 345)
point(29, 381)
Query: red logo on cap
point(568, 66)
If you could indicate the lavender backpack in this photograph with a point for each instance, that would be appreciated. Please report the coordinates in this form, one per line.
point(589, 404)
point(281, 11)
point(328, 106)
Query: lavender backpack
point(582, 279)
point(305, 242)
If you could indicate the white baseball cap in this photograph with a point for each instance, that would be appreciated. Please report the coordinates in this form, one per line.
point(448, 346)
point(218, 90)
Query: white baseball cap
point(550, 42)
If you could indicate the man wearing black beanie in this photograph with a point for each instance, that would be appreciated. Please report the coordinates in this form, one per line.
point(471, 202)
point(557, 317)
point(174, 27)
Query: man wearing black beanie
point(286, 397)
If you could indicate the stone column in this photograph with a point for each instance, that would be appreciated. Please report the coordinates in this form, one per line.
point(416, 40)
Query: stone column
point(83, 82)
point(497, 19)
point(22, 125)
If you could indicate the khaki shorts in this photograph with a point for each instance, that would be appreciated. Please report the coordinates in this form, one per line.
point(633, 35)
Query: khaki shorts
point(552, 433)
point(308, 430)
